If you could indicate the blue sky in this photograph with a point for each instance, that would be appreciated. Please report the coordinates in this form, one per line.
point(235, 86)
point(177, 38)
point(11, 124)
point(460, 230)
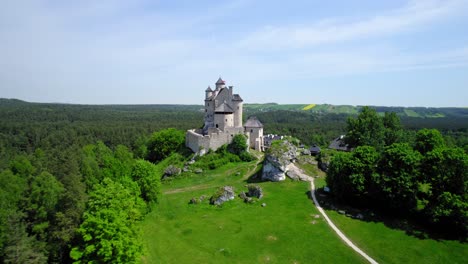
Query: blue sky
point(393, 53)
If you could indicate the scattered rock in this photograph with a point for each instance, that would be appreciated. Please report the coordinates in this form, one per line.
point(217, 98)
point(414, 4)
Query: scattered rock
point(255, 191)
point(263, 204)
point(293, 175)
point(317, 216)
point(192, 161)
point(296, 174)
point(223, 195)
point(198, 171)
point(194, 200)
point(238, 173)
point(341, 212)
point(271, 238)
point(186, 169)
point(306, 152)
point(349, 215)
point(244, 197)
point(359, 216)
point(170, 171)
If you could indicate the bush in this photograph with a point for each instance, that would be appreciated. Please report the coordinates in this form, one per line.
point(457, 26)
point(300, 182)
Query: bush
point(165, 142)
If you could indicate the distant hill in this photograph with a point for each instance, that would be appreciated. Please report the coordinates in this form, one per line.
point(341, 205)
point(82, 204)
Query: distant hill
point(421, 112)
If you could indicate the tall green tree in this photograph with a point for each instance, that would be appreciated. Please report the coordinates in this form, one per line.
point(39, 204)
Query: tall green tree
point(366, 130)
point(20, 246)
point(393, 129)
point(352, 175)
point(146, 175)
point(12, 187)
point(109, 232)
point(165, 142)
point(399, 170)
point(428, 140)
point(41, 205)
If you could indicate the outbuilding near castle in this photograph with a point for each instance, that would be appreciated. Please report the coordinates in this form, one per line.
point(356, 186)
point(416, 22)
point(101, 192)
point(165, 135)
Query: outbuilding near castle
point(223, 120)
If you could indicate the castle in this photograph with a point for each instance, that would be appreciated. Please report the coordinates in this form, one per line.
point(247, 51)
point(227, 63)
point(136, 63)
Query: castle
point(223, 120)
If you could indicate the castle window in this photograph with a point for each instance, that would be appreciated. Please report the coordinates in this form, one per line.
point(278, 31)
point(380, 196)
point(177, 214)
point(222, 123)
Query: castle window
point(206, 110)
point(226, 120)
point(216, 125)
point(251, 130)
point(237, 108)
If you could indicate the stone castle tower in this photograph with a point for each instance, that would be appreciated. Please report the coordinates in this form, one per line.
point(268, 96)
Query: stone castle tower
point(223, 120)
point(223, 109)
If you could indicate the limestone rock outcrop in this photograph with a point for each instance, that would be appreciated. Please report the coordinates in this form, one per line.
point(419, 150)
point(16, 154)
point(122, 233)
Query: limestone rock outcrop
point(223, 195)
point(277, 159)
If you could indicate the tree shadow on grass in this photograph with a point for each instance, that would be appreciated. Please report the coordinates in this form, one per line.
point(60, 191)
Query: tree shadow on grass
point(391, 220)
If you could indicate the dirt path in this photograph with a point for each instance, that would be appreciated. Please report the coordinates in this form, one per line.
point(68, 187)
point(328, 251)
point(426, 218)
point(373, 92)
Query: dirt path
point(207, 186)
point(191, 188)
point(330, 223)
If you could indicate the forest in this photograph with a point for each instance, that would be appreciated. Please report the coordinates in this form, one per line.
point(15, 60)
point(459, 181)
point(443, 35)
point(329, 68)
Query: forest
point(398, 172)
point(77, 179)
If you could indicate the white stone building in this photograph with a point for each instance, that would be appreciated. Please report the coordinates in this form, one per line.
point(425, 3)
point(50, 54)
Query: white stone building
point(223, 120)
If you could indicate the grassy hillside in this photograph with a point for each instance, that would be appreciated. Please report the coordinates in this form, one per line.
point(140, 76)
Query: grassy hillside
point(284, 231)
point(419, 112)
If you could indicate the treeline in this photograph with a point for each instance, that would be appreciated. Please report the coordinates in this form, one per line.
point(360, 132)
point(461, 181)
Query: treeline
point(396, 171)
point(88, 212)
point(94, 208)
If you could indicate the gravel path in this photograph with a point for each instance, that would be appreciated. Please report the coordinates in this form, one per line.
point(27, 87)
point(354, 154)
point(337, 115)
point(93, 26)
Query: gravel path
point(330, 223)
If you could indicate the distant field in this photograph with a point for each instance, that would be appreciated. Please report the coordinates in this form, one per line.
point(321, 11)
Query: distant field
point(413, 112)
point(309, 107)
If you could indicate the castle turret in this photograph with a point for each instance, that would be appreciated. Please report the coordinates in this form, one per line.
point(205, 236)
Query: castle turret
point(238, 105)
point(220, 84)
point(254, 131)
point(208, 92)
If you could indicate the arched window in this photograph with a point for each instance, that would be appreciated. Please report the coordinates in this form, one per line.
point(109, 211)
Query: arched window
point(216, 125)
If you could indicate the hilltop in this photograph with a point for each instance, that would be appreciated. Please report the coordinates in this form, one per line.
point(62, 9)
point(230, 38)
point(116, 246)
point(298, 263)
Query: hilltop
point(422, 112)
point(415, 112)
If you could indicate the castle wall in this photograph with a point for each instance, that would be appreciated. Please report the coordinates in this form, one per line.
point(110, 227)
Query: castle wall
point(195, 140)
point(215, 138)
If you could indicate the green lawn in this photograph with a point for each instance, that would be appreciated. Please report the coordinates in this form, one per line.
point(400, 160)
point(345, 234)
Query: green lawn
point(388, 245)
point(285, 231)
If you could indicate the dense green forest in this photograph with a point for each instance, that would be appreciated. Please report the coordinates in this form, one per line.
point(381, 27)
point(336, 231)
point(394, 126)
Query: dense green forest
point(69, 172)
point(399, 172)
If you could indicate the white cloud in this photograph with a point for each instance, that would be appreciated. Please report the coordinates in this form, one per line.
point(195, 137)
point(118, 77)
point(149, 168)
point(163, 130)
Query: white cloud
point(332, 30)
point(88, 47)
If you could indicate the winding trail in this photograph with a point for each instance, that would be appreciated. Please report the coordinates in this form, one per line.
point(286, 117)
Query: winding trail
point(330, 223)
point(208, 186)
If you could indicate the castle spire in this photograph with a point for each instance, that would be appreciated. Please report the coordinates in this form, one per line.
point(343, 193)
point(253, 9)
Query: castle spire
point(220, 83)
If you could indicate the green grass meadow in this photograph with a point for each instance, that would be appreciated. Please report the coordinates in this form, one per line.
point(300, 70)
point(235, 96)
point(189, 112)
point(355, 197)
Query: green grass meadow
point(387, 245)
point(284, 231)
